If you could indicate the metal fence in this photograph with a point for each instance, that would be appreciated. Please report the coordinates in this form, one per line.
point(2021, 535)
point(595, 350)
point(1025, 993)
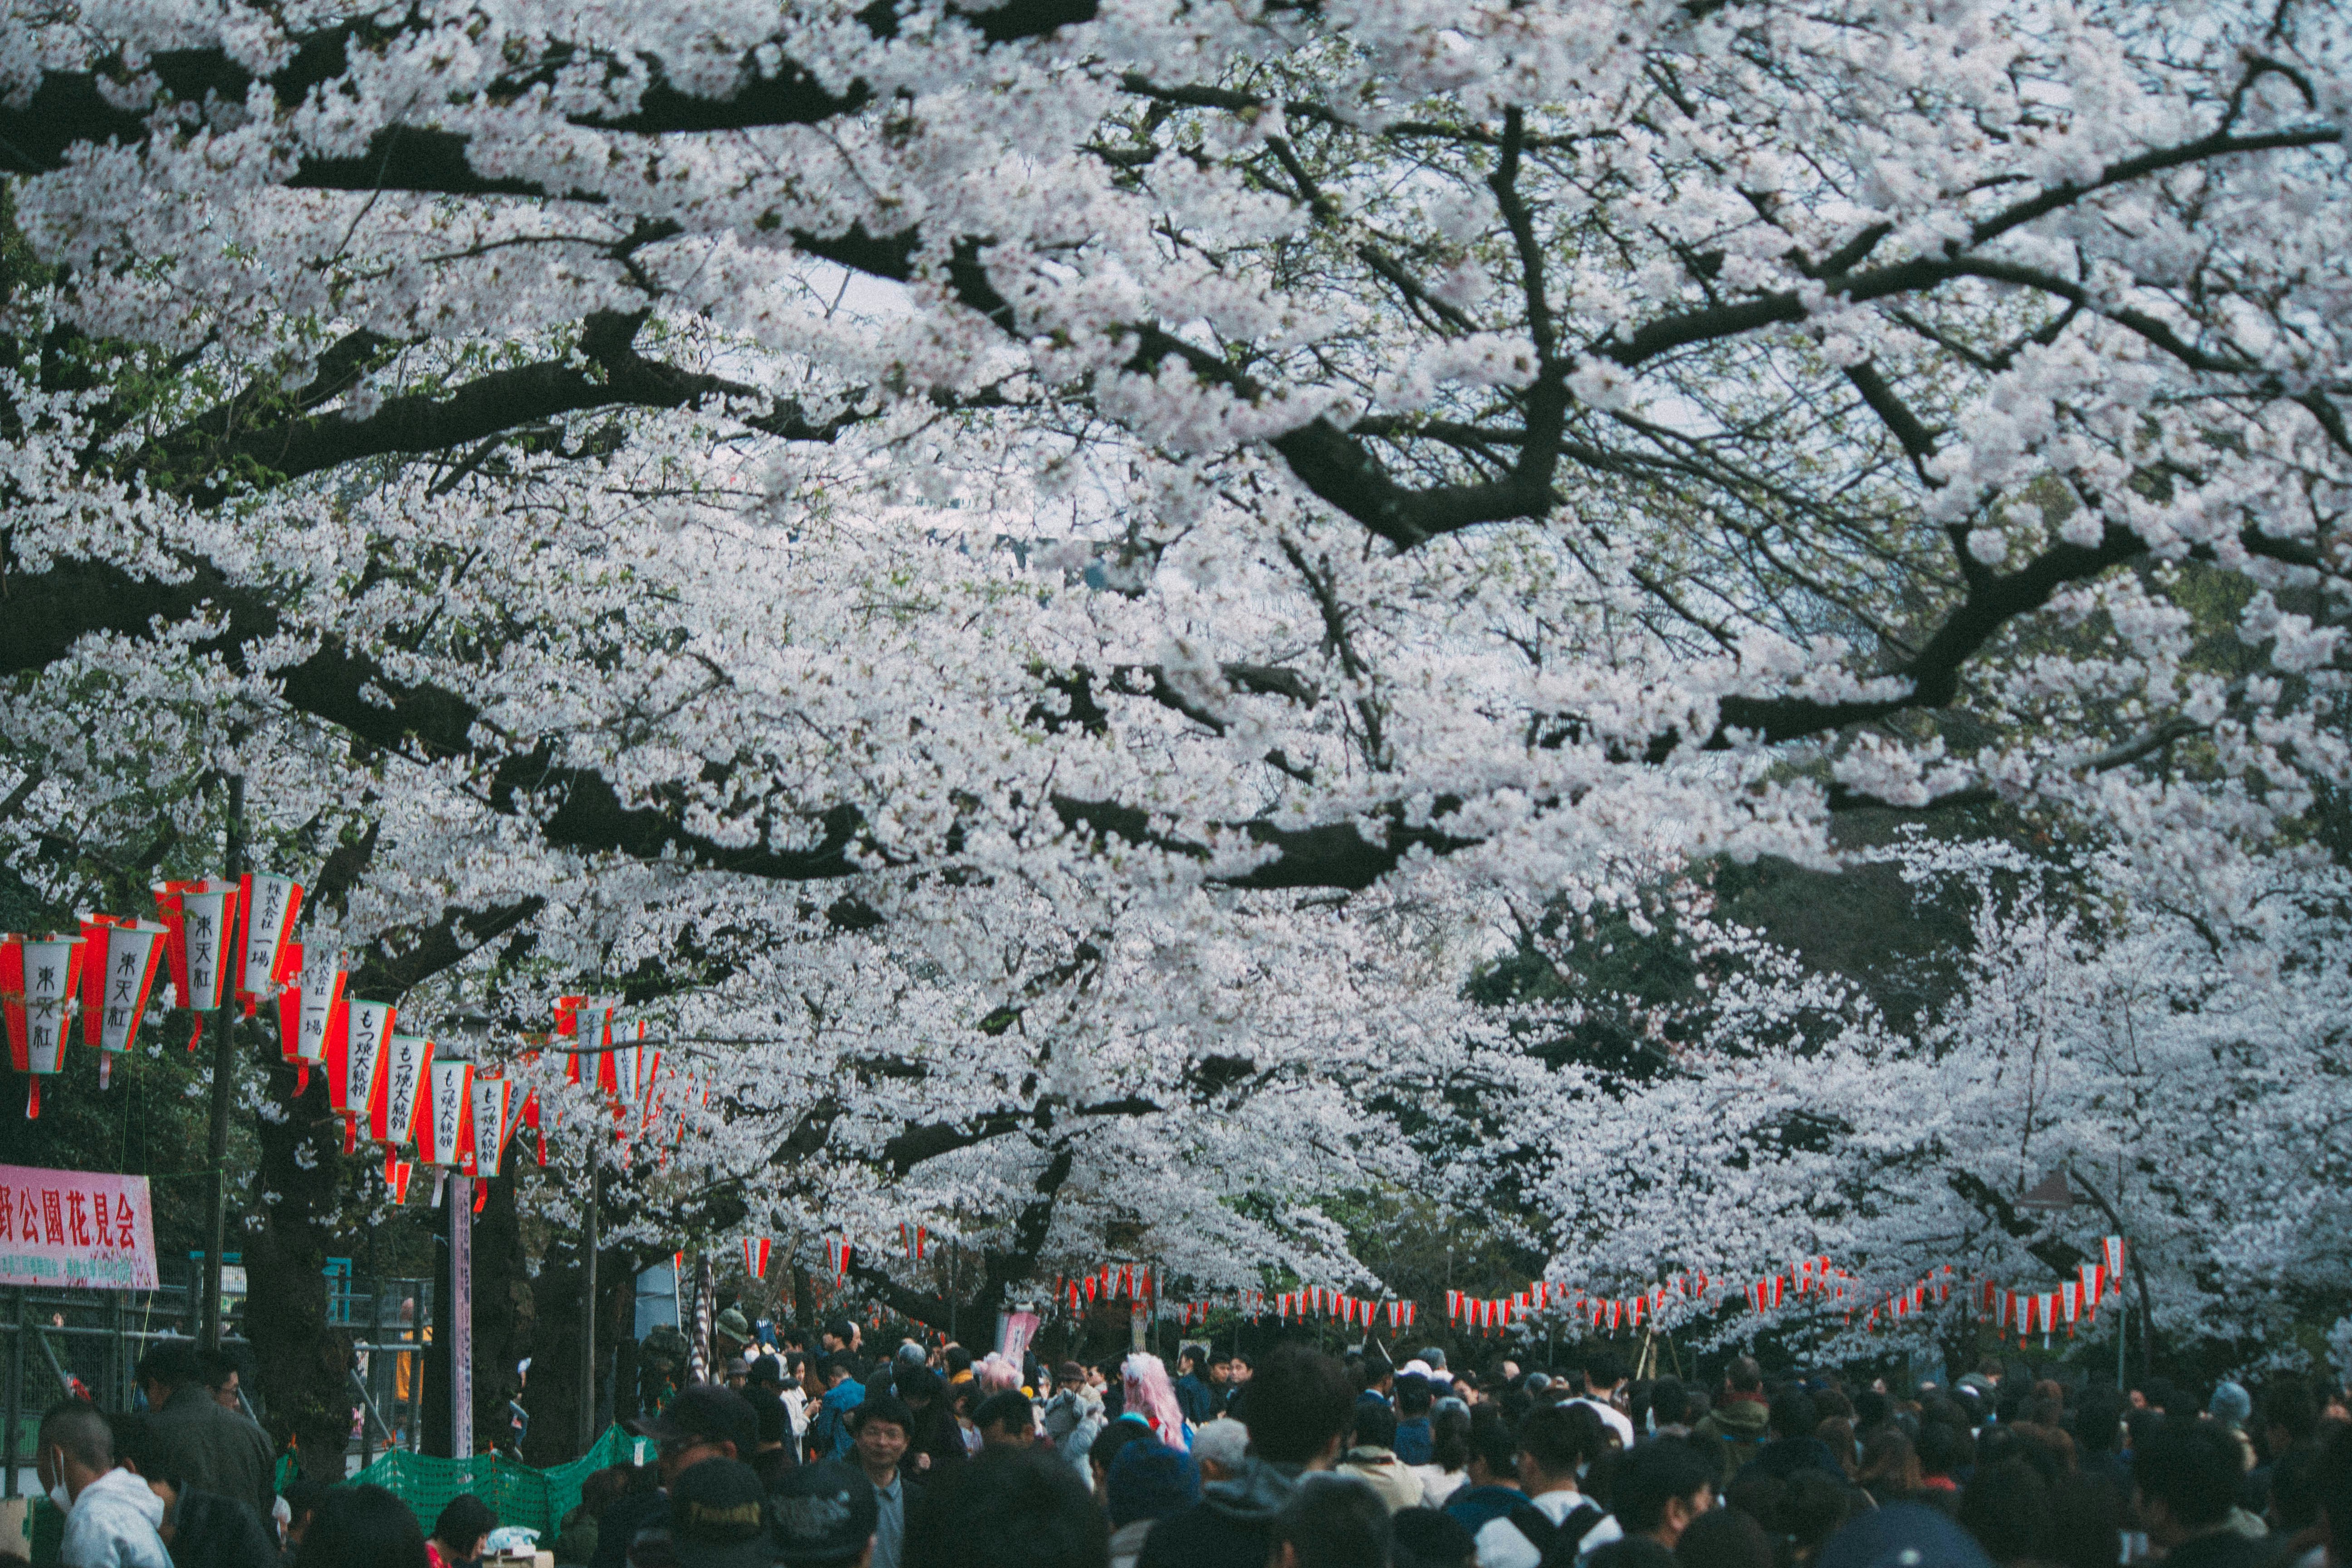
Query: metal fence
point(54, 1344)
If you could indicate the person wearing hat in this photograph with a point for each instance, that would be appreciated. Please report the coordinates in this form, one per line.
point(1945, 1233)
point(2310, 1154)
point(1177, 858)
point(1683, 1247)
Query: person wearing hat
point(718, 1517)
point(1147, 1481)
point(2230, 1408)
point(824, 1517)
point(730, 1335)
point(1903, 1536)
point(703, 1423)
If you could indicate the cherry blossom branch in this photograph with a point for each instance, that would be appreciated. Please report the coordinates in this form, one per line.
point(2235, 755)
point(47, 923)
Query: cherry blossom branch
point(66, 109)
point(195, 458)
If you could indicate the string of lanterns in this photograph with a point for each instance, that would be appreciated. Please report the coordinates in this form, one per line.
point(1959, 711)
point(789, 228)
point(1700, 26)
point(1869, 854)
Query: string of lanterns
point(232, 941)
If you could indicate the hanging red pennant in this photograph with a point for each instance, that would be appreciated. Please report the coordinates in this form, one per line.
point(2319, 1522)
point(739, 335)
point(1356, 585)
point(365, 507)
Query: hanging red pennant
point(756, 1249)
point(357, 1063)
point(120, 958)
point(200, 920)
point(267, 905)
point(445, 1122)
point(493, 1123)
point(392, 1119)
point(311, 1012)
point(567, 1027)
point(39, 980)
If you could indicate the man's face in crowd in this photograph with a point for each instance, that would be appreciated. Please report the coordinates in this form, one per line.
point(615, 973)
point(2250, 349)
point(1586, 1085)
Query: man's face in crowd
point(1220, 1371)
point(226, 1394)
point(880, 1445)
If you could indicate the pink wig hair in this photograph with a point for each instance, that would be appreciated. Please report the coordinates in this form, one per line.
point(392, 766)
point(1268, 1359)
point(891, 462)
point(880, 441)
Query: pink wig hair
point(995, 1373)
point(1151, 1395)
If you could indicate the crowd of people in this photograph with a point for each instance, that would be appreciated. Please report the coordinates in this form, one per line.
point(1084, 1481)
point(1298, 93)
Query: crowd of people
point(930, 1456)
point(924, 1458)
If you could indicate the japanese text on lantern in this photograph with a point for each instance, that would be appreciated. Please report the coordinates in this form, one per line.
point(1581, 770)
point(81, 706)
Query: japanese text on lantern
point(75, 1229)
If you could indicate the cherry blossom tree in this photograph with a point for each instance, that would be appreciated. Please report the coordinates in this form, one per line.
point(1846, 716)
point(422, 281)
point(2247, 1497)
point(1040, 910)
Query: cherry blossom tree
point(2179, 1062)
point(1040, 580)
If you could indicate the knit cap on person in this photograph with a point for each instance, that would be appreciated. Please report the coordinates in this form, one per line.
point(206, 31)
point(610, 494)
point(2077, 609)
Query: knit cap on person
point(2231, 1404)
point(1902, 1535)
point(1150, 1480)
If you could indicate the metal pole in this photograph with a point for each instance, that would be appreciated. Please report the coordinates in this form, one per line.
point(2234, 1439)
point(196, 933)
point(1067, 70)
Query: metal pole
point(371, 1386)
point(224, 1073)
point(15, 1395)
point(588, 1304)
point(2122, 1332)
point(460, 1318)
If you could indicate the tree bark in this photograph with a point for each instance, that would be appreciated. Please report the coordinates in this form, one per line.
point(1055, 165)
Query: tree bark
point(505, 1316)
point(301, 1362)
point(554, 1395)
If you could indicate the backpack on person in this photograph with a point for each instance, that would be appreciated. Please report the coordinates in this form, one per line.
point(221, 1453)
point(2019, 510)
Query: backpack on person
point(1555, 1545)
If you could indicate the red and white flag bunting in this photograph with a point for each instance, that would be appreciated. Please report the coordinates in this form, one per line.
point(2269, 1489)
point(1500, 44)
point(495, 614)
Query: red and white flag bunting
point(39, 977)
point(121, 957)
point(494, 1124)
point(357, 1065)
point(270, 905)
point(445, 1123)
point(201, 920)
point(391, 1119)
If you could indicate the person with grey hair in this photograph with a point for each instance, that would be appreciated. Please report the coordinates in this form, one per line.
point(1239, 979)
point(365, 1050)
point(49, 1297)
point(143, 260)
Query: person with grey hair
point(111, 1514)
point(1220, 1448)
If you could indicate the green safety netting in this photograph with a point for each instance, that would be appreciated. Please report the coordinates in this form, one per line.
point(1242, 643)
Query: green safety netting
point(518, 1494)
point(536, 1499)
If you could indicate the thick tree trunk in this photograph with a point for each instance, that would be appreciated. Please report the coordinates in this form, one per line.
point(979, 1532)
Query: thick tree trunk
point(302, 1363)
point(555, 1393)
point(505, 1315)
